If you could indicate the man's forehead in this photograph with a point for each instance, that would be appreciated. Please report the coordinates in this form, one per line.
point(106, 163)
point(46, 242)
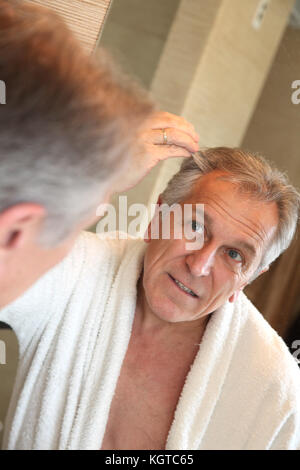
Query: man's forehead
point(212, 185)
point(215, 186)
point(224, 195)
point(211, 181)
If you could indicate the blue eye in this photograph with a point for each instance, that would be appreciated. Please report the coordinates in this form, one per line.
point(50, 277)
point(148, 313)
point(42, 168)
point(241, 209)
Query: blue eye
point(235, 255)
point(196, 226)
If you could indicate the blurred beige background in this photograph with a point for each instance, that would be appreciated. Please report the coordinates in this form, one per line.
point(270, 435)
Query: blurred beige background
point(225, 65)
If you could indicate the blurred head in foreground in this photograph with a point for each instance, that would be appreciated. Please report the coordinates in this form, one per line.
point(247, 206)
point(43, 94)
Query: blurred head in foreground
point(66, 131)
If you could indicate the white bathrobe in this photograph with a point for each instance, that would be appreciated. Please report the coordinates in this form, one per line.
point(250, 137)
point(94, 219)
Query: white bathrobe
point(73, 328)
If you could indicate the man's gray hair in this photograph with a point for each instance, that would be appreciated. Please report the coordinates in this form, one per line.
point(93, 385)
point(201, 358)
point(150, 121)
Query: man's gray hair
point(254, 177)
point(69, 123)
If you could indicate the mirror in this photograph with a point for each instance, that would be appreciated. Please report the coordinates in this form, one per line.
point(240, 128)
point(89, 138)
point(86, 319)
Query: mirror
point(233, 69)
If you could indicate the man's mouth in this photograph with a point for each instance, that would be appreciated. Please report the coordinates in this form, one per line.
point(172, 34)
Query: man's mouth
point(183, 287)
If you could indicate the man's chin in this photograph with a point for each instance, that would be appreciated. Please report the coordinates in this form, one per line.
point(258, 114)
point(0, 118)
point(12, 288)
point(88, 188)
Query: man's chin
point(174, 315)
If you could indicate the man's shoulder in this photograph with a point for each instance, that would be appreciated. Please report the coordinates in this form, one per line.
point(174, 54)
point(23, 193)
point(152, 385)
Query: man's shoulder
point(95, 250)
point(116, 242)
point(268, 351)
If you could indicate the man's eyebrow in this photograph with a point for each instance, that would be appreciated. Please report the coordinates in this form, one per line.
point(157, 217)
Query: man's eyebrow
point(247, 246)
point(201, 211)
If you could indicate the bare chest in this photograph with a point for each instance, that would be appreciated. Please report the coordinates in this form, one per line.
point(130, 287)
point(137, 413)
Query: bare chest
point(146, 396)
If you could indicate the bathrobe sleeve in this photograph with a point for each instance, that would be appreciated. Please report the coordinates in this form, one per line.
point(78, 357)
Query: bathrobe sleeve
point(287, 393)
point(28, 314)
point(288, 435)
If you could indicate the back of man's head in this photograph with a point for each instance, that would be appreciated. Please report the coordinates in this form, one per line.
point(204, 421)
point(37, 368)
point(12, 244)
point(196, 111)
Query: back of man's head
point(69, 120)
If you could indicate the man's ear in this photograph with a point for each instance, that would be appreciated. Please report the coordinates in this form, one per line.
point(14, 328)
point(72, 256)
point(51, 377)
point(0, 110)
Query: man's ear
point(18, 223)
point(234, 296)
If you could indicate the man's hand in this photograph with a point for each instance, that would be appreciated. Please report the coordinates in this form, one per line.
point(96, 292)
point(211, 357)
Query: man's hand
point(163, 136)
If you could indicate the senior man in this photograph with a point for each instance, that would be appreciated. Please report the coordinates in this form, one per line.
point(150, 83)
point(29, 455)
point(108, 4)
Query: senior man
point(148, 344)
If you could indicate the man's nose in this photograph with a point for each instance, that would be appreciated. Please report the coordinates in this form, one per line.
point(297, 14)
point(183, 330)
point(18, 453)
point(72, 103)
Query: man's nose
point(201, 261)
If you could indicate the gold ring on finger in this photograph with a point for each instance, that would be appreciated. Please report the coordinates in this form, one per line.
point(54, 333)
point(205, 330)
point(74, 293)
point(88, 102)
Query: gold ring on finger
point(165, 137)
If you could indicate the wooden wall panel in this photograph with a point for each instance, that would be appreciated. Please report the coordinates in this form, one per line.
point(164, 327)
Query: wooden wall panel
point(84, 17)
